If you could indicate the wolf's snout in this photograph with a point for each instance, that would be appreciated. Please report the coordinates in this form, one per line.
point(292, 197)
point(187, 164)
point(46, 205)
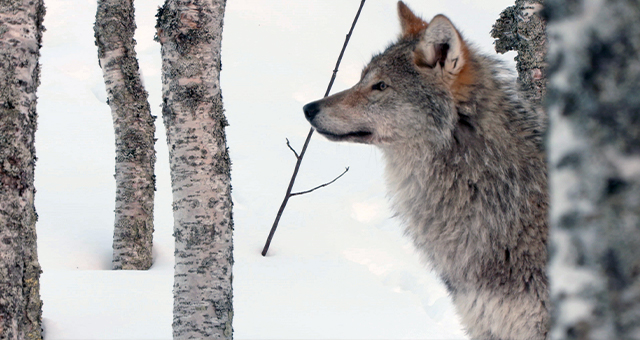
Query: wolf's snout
point(311, 110)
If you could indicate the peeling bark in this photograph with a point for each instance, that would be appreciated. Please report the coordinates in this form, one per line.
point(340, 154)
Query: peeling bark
point(190, 33)
point(521, 28)
point(594, 168)
point(20, 37)
point(134, 135)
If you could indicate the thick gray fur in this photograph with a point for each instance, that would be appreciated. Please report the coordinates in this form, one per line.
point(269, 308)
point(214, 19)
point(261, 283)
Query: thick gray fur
point(465, 169)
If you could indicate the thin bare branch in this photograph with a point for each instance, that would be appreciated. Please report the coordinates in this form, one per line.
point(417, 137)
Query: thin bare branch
point(291, 148)
point(306, 142)
point(319, 186)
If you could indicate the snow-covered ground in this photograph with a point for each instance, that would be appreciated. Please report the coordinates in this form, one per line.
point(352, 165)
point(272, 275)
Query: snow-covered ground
point(339, 266)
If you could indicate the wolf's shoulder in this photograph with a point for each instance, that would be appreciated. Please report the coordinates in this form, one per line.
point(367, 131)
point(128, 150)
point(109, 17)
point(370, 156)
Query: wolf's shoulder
point(522, 116)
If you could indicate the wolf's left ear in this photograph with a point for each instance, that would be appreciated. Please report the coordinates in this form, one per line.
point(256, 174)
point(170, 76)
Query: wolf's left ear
point(441, 44)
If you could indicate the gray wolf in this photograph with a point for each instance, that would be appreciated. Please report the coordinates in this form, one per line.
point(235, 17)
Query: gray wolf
point(465, 170)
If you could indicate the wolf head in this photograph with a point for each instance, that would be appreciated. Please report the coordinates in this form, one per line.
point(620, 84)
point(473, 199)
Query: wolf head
point(406, 92)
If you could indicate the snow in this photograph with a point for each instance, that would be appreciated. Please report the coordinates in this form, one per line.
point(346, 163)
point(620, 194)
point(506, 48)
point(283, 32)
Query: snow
point(339, 266)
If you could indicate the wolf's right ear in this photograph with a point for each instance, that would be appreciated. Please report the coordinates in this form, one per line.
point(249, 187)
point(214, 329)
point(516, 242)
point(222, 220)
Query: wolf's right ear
point(411, 24)
point(441, 44)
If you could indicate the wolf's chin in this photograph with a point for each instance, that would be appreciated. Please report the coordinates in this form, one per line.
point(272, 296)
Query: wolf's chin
point(356, 136)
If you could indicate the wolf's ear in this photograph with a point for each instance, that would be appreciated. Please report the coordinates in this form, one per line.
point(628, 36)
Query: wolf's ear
point(411, 24)
point(442, 45)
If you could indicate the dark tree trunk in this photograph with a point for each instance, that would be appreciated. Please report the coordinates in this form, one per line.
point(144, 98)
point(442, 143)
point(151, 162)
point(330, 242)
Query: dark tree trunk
point(594, 168)
point(20, 37)
point(520, 28)
point(190, 33)
point(134, 134)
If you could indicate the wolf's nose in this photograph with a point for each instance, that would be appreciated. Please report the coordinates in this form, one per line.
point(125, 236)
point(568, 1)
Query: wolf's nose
point(311, 110)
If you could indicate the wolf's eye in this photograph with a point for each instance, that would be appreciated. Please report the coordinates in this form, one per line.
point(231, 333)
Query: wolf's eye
point(381, 86)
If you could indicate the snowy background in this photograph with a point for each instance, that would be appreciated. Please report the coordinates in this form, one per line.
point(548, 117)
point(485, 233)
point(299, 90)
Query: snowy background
point(339, 266)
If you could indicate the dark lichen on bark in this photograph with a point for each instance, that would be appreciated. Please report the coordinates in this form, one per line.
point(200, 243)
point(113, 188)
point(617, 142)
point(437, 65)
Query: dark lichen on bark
point(521, 28)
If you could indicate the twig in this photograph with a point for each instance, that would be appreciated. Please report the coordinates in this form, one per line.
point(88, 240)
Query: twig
point(294, 151)
point(319, 186)
point(306, 142)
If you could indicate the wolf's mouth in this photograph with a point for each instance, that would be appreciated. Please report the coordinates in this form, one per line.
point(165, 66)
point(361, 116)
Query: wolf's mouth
point(362, 136)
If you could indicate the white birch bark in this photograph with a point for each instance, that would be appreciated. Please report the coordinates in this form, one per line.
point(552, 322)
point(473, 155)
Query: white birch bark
point(190, 33)
point(594, 168)
point(20, 37)
point(134, 135)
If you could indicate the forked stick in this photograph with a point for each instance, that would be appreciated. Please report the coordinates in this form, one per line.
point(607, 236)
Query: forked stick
point(306, 143)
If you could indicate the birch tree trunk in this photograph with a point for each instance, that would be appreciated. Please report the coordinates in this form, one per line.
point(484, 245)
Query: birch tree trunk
point(520, 28)
point(594, 168)
point(190, 33)
point(134, 134)
point(20, 37)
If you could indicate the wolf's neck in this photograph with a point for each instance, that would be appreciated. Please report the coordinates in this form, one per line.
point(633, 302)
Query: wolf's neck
point(478, 183)
point(420, 166)
point(435, 187)
point(416, 173)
